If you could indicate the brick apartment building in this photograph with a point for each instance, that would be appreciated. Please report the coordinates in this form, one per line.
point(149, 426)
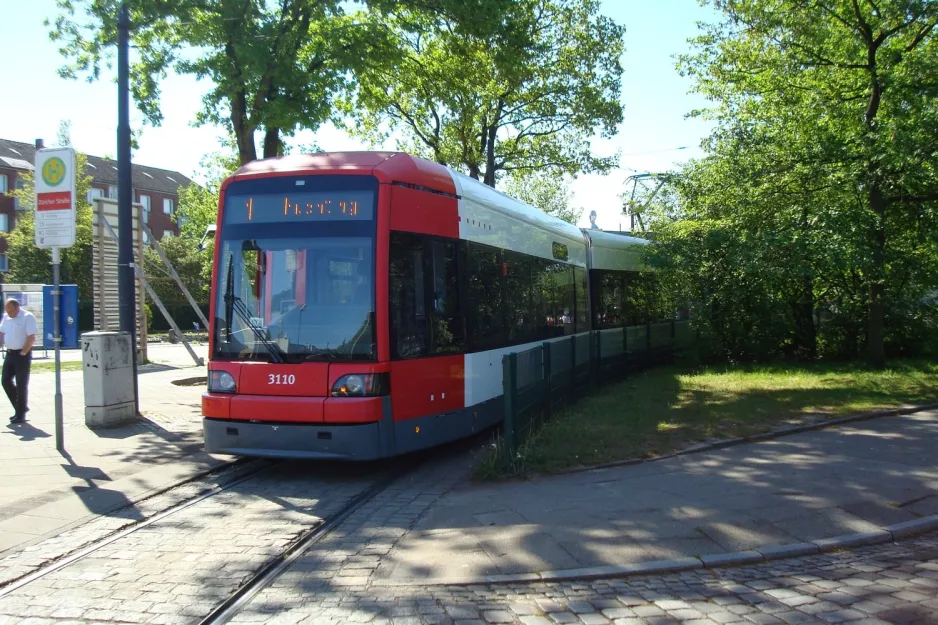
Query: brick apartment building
point(156, 189)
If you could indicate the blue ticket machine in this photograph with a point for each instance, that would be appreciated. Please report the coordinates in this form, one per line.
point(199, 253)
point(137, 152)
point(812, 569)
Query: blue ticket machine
point(68, 316)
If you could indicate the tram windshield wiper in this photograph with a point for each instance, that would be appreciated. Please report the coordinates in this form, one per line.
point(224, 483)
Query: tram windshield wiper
point(276, 353)
point(233, 303)
point(229, 303)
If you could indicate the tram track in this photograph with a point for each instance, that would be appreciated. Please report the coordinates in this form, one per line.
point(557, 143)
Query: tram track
point(310, 540)
point(266, 512)
point(233, 604)
point(256, 467)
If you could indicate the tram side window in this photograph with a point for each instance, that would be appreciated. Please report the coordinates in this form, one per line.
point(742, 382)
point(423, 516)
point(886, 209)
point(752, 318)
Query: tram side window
point(582, 299)
point(562, 301)
point(541, 299)
point(484, 285)
point(608, 288)
point(519, 302)
point(446, 328)
point(409, 327)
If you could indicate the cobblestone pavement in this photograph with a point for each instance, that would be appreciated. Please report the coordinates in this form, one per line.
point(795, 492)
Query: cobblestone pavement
point(894, 583)
point(178, 568)
point(21, 562)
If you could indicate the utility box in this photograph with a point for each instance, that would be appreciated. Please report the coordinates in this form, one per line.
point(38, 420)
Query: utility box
point(107, 369)
point(68, 316)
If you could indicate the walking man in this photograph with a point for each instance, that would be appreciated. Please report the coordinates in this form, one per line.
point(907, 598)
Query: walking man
point(18, 333)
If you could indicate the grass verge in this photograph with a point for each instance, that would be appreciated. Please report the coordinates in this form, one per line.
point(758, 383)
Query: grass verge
point(665, 409)
point(49, 367)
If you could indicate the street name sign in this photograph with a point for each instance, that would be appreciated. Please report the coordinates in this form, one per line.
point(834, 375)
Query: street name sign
point(55, 197)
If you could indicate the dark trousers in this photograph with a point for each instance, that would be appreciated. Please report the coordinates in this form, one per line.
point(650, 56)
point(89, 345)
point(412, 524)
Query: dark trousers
point(16, 367)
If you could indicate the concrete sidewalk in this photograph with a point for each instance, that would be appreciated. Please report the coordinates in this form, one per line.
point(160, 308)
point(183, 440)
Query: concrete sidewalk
point(853, 478)
point(172, 354)
point(44, 491)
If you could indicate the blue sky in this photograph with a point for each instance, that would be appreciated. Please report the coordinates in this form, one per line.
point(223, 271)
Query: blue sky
point(656, 101)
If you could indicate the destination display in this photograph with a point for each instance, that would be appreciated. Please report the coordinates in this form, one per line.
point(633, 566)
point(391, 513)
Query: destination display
point(299, 206)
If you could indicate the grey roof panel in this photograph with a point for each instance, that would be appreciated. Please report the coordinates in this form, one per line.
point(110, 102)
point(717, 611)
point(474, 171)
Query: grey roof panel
point(16, 163)
point(103, 171)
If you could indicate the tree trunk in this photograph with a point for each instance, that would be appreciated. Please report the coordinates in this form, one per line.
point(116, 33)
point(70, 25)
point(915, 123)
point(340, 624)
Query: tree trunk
point(272, 143)
point(807, 332)
point(490, 157)
point(875, 316)
point(240, 123)
point(804, 323)
point(473, 171)
point(247, 151)
point(876, 309)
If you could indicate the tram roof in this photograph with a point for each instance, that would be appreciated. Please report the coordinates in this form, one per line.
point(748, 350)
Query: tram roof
point(401, 167)
point(610, 250)
point(386, 166)
point(614, 240)
point(475, 191)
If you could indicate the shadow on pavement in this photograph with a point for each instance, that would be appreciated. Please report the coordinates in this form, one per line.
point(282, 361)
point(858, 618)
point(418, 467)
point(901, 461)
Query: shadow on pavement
point(26, 431)
point(800, 488)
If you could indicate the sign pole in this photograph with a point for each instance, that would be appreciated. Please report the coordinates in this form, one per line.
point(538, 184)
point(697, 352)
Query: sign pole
point(57, 339)
point(126, 279)
point(55, 229)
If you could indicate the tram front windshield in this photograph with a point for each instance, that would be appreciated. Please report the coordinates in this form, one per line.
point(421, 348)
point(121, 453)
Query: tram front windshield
point(295, 278)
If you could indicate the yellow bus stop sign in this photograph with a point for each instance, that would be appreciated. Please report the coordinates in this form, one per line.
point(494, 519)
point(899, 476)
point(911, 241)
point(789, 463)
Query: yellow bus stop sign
point(53, 171)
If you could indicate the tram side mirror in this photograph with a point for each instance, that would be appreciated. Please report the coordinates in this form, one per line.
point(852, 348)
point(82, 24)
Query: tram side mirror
point(209, 230)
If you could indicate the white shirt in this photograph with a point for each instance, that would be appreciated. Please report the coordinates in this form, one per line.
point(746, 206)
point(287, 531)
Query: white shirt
point(16, 329)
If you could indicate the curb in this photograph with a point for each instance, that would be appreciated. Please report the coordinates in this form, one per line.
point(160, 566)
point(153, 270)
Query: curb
point(891, 533)
point(756, 438)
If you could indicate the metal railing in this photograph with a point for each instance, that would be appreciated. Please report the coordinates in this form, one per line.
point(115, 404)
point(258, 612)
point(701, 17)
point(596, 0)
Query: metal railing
point(540, 380)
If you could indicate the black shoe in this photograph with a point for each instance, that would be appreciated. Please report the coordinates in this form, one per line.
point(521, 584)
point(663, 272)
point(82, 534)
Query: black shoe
point(17, 420)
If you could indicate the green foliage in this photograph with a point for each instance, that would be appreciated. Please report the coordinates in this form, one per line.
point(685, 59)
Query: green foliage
point(275, 67)
point(198, 208)
point(193, 267)
point(524, 98)
point(198, 204)
point(811, 229)
point(546, 191)
point(30, 264)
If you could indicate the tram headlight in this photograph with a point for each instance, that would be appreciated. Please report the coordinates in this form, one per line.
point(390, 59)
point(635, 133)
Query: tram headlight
point(361, 385)
point(221, 382)
point(354, 384)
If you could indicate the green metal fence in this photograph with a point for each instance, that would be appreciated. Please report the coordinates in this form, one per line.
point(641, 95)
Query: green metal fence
point(540, 380)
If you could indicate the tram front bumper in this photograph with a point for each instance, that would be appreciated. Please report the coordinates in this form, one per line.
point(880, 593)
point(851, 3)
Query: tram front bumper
point(287, 440)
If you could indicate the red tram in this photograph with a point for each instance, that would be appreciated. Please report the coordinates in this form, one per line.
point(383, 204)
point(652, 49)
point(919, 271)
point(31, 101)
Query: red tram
point(362, 303)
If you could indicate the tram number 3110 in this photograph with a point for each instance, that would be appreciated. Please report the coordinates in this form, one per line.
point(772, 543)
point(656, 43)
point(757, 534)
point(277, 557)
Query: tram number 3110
point(281, 379)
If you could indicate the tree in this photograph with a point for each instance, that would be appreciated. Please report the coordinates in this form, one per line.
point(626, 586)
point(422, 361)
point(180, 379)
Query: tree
point(198, 208)
point(275, 67)
point(832, 105)
point(30, 264)
point(550, 193)
point(522, 99)
point(738, 252)
point(198, 204)
point(64, 136)
point(193, 267)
